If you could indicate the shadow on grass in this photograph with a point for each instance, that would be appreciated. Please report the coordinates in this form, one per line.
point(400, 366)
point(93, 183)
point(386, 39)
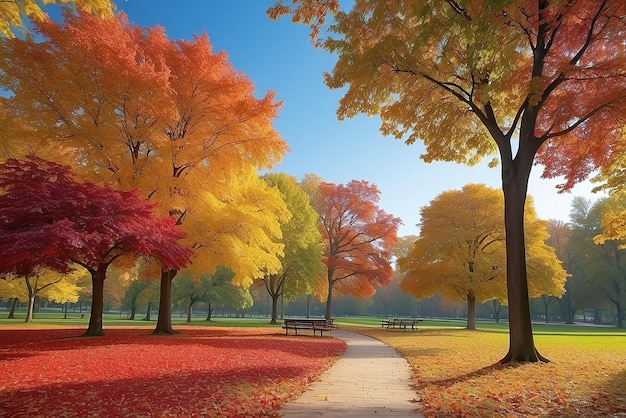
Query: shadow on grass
point(615, 394)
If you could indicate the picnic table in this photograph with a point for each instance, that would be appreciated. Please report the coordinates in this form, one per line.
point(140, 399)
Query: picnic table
point(401, 324)
point(316, 325)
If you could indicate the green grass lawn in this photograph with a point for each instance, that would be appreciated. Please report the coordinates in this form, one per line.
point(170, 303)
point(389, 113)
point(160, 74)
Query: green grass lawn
point(115, 320)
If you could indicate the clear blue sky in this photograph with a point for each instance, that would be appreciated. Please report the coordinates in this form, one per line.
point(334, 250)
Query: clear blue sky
point(277, 55)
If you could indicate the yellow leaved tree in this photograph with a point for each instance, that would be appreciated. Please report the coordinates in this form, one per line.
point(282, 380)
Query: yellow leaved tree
point(47, 284)
point(12, 12)
point(460, 252)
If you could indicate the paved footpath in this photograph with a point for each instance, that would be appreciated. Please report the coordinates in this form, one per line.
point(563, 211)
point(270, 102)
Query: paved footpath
point(370, 380)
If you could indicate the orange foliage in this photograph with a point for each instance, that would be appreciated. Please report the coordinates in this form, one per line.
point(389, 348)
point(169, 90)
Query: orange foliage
point(359, 238)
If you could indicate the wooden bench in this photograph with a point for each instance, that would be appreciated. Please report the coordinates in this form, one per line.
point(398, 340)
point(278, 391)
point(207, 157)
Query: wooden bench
point(316, 325)
point(401, 323)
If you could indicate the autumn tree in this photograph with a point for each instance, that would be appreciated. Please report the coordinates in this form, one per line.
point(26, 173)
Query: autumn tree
point(49, 284)
point(560, 238)
point(529, 81)
point(359, 238)
point(172, 119)
point(213, 289)
point(301, 264)
point(50, 220)
point(460, 252)
point(598, 229)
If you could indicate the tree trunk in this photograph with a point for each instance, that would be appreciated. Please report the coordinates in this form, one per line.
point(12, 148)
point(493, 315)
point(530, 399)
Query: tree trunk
point(189, 311)
point(329, 299)
point(133, 311)
point(274, 308)
point(13, 306)
point(148, 316)
point(97, 303)
point(515, 175)
point(209, 312)
point(566, 307)
point(67, 307)
point(164, 320)
point(597, 316)
point(31, 299)
point(471, 311)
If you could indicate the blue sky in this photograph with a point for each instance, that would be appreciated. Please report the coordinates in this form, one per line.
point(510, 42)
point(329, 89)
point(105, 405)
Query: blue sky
point(277, 55)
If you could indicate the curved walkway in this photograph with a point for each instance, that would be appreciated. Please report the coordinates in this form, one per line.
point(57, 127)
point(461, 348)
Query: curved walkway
point(370, 380)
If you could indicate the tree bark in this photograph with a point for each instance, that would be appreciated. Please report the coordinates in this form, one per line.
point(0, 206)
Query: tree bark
point(209, 312)
point(471, 311)
point(515, 175)
point(148, 316)
point(13, 306)
point(329, 299)
point(164, 320)
point(274, 318)
point(97, 302)
point(31, 299)
point(189, 311)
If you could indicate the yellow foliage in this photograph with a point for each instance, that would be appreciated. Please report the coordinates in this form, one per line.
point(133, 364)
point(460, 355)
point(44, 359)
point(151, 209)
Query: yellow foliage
point(461, 249)
point(238, 228)
point(614, 220)
point(11, 11)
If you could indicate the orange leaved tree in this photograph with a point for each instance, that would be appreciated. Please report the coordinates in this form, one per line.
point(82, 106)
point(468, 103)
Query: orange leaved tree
point(359, 238)
point(134, 109)
point(523, 81)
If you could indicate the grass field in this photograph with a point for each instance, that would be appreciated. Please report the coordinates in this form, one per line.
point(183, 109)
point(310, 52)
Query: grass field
point(456, 372)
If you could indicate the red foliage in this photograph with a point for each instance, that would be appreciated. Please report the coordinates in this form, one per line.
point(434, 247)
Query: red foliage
point(48, 219)
point(203, 372)
point(359, 236)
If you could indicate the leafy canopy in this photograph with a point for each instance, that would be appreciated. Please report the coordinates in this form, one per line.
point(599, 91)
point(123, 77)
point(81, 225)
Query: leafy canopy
point(461, 249)
point(12, 11)
point(49, 220)
point(173, 119)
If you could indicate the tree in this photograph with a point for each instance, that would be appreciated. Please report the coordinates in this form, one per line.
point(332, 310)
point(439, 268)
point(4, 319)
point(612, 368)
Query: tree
point(12, 11)
point(460, 252)
point(172, 119)
point(301, 263)
point(213, 289)
point(77, 223)
point(561, 240)
point(52, 285)
point(472, 79)
point(359, 238)
point(605, 255)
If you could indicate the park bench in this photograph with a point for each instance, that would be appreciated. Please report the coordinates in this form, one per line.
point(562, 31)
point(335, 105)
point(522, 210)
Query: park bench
point(400, 324)
point(316, 325)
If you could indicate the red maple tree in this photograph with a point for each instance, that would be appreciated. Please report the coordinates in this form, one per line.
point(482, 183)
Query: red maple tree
point(48, 219)
point(358, 237)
